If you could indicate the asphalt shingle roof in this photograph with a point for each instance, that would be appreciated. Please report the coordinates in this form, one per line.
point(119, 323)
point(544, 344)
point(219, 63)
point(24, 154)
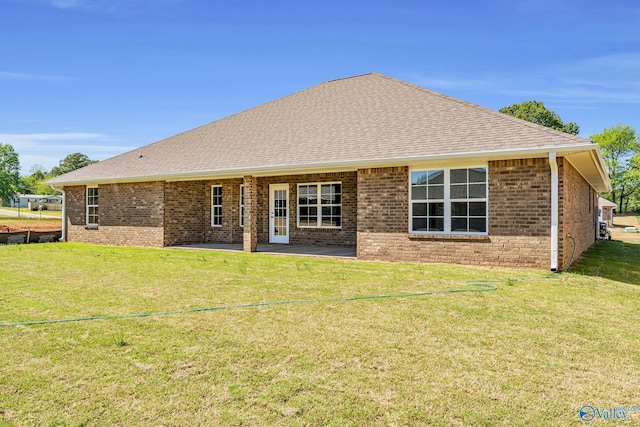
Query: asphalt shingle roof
point(357, 119)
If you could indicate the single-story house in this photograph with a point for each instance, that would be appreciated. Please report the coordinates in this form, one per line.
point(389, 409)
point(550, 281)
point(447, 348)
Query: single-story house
point(606, 209)
point(394, 170)
point(28, 201)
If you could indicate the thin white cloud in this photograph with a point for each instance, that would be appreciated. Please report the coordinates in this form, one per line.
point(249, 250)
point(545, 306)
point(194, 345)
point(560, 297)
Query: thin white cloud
point(39, 137)
point(48, 149)
point(448, 83)
point(628, 61)
point(10, 75)
point(111, 6)
point(602, 79)
point(68, 4)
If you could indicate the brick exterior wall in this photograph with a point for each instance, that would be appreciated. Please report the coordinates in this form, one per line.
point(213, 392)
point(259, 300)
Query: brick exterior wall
point(129, 214)
point(345, 236)
point(188, 212)
point(375, 215)
point(520, 197)
point(578, 212)
point(519, 218)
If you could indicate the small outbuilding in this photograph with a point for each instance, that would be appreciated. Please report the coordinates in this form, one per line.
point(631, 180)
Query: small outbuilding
point(606, 210)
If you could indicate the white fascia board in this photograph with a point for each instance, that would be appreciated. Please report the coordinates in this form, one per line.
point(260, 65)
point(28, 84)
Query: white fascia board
point(349, 165)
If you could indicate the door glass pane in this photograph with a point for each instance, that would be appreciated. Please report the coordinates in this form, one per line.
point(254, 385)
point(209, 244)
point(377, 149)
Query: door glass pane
point(280, 213)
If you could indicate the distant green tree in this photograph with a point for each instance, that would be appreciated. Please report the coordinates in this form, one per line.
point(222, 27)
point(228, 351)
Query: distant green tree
point(72, 162)
point(633, 202)
point(33, 184)
point(621, 153)
point(536, 112)
point(9, 171)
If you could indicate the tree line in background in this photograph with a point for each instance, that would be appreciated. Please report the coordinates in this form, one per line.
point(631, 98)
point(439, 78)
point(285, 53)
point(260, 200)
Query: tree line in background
point(11, 183)
point(620, 147)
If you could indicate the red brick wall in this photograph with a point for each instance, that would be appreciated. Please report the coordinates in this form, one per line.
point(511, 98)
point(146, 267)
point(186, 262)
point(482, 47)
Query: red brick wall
point(578, 212)
point(129, 214)
point(519, 218)
point(383, 200)
point(520, 197)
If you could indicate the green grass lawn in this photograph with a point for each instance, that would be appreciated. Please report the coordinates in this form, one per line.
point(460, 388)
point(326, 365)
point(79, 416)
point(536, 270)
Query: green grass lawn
point(532, 352)
point(27, 211)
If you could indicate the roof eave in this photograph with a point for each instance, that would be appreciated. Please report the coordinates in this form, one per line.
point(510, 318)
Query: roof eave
point(350, 165)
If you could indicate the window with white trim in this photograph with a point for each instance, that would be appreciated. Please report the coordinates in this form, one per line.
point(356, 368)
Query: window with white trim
point(449, 201)
point(216, 205)
point(92, 205)
point(241, 205)
point(320, 205)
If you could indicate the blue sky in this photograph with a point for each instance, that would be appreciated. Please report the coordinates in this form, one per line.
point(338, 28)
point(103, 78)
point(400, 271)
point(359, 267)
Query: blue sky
point(106, 76)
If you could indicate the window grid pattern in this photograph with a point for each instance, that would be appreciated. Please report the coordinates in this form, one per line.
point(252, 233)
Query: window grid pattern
point(92, 206)
point(216, 206)
point(449, 201)
point(469, 200)
point(320, 205)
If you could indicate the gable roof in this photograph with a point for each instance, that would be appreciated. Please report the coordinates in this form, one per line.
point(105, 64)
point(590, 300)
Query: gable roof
point(604, 203)
point(363, 121)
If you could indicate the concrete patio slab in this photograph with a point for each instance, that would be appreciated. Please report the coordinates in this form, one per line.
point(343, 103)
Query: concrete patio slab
point(322, 251)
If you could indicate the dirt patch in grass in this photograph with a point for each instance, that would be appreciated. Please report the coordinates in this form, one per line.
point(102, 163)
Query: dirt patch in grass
point(618, 230)
point(8, 225)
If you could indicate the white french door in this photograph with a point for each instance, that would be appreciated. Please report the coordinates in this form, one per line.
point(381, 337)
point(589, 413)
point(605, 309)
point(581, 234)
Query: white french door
point(279, 213)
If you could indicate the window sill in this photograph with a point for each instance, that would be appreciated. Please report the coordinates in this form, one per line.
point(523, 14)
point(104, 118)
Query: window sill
point(91, 227)
point(303, 227)
point(451, 237)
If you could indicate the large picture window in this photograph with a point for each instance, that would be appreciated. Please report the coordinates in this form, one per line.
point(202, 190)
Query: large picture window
point(216, 206)
point(320, 205)
point(92, 206)
point(449, 201)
